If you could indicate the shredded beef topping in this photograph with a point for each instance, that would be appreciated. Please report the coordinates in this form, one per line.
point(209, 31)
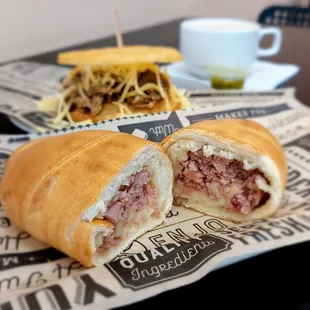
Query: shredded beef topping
point(99, 94)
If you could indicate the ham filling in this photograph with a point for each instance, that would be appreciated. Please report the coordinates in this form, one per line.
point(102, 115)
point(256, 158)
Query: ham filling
point(131, 206)
point(232, 182)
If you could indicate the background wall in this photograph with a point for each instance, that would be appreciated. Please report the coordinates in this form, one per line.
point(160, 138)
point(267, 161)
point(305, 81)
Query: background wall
point(248, 9)
point(34, 26)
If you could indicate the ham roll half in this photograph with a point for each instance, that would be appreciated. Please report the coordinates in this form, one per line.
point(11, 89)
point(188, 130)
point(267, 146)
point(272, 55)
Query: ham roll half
point(88, 194)
point(232, 169)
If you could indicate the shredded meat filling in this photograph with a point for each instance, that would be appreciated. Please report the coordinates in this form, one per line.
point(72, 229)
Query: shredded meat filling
point(131, 200)
point(99, 94)
point(232, 181)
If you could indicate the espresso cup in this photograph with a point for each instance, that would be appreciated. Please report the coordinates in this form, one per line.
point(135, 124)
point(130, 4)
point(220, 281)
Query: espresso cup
point(226, 46)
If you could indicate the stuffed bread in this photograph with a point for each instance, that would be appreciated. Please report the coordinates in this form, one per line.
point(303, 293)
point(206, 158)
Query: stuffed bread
point(233, 169)
point(88, 194)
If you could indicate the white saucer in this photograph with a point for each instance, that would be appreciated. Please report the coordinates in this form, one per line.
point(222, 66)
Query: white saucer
point(265, 75)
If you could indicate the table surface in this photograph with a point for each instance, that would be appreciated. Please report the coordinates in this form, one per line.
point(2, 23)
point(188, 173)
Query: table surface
point(271, 280)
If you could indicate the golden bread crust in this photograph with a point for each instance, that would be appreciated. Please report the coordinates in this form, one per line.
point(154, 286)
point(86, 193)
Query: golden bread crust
point(48, 183)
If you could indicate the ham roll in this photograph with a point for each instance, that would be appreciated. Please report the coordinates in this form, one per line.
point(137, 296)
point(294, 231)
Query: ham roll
point(89, 194)
point(232, 169)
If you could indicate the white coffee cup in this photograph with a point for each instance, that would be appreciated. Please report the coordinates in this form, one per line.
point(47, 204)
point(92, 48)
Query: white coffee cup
point(211, 43)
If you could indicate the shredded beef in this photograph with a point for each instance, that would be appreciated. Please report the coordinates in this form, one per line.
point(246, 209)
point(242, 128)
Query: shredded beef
point(145, 77)
point(99, 94)
point(201, 173)
point(131, 197)
point(123, 207)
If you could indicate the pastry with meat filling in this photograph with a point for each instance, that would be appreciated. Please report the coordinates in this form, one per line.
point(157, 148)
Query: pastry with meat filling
point(89, 194)
point(233, 169)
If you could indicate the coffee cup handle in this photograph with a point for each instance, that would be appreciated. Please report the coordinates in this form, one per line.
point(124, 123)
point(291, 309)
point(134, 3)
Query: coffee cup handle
point(277, 41)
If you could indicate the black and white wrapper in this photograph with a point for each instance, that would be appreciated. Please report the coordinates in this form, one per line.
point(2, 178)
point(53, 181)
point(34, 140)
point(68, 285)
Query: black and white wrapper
point(189, 244)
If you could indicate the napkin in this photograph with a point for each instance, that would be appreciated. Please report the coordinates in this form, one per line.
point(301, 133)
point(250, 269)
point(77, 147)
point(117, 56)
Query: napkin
point(265, 75)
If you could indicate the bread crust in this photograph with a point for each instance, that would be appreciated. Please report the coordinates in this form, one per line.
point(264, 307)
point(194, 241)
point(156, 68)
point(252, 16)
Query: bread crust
point(49, 183)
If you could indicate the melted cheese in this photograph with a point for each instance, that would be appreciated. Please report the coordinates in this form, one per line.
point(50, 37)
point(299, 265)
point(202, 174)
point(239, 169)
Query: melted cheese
point(192, 198)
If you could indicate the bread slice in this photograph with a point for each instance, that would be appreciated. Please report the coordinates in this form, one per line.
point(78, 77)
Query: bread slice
point(129, 54)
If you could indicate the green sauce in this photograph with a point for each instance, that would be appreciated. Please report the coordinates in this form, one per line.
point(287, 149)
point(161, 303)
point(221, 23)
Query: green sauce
point(220, 83)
